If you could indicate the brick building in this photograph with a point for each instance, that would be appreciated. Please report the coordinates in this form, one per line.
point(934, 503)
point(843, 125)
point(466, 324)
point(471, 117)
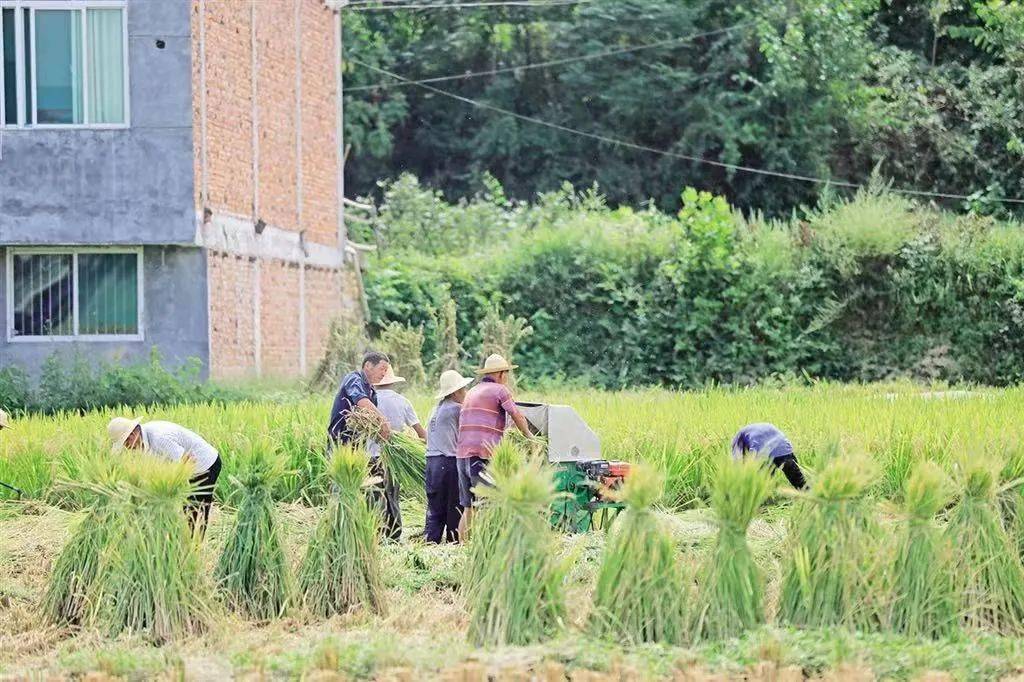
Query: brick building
point(170, 176)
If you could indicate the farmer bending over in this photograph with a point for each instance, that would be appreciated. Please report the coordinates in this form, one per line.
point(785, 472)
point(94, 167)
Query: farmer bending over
point(174, 443)
point(767, 442)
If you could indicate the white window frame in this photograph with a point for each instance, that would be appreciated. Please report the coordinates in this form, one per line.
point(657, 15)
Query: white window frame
point(24, 87)
point(74, 252)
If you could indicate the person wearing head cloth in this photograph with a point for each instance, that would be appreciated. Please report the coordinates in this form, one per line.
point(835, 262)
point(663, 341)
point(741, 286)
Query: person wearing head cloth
point(485, 413)
point(765, 441)
point(173, 443)
point(400, 414)
point(442, 480)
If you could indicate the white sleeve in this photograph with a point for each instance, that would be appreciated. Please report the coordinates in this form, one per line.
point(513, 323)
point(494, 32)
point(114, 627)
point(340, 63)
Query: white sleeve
point(410, 415)
point(168, 449)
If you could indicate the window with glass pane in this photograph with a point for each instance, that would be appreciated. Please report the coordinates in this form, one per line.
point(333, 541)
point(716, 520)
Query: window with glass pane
point(42, 295)
point(10, 67)
point(108, 300)
point(106, 65)
point(58, 56)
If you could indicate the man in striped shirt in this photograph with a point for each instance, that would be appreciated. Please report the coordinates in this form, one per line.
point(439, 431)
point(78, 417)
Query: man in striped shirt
point(485, 413)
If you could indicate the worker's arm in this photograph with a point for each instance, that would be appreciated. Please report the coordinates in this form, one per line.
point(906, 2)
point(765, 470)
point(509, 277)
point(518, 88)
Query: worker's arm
point(420, 431)
point(367, 404)
point(520, 422)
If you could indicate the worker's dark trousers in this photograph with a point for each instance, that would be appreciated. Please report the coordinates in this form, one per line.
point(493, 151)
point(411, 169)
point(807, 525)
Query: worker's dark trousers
point(197, 509)
point(789, 466)
point(383, 497)
point(443, 510)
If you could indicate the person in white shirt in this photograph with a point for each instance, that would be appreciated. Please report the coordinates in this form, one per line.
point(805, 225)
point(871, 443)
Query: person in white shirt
point(174, 443)
point(400, 414)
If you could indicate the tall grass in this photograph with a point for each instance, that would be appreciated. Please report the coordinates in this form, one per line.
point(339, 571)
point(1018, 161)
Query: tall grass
point(514, 581)
point(640, 594)
point(731, 597)
point(341, 570)
point(922, 601)
point(987, 572)
point(252, 572)
point(151, 580)
point(824, 575)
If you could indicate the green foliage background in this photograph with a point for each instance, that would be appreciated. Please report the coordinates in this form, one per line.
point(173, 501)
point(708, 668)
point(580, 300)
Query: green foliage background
point(859, 289)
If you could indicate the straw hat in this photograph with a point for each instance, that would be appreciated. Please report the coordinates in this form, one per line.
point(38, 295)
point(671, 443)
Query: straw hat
point(494, 364)
point(451, 381)
point(119, 429)
point(389, 379)
point(5, 422)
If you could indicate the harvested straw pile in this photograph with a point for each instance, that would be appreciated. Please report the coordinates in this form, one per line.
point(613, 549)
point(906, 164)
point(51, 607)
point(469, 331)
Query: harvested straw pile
point(823, 579)
point(987, 573)
point(341, 569)
point(640, 593)
point(252, 572)
point(922, 601)
point(151, 581)
point(731, 598)
point(514, 583)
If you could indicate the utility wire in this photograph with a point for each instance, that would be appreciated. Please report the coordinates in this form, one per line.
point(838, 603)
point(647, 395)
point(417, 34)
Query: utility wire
point(373, 6)
point(664, 152)
point(553, 62)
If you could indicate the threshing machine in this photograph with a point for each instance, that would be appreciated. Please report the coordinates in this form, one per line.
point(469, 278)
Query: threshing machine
point(582, 478)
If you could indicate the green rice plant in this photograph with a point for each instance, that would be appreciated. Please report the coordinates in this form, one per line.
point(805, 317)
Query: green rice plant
point(513, 587)
point(987, 572)
point(252, 572)
point(508, 456)
point(640, 594)
point(922, 600)
point(824, 571)
point(404, 457)
point(77, 565)
point(301, 443)
point(151, 581)
point(341, 570)
point(731, 595)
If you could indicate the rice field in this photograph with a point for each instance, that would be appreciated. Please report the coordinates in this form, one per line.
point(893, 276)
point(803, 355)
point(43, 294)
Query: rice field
point(902, 559)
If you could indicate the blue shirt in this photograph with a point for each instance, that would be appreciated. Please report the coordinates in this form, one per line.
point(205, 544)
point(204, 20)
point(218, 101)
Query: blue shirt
point(443, 429)
point(354, 387)
point(764, 440)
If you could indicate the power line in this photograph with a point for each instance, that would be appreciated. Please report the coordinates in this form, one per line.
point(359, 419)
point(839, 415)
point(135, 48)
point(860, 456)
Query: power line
point(554, 62)
point(664, 152)
point(372, 5)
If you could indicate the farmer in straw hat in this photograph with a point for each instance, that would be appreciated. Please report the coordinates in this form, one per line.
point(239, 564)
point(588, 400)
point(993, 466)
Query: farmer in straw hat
point(765, 441)
point(400, 414)
point(442, 480)
point(174, 443)
point(485, 413)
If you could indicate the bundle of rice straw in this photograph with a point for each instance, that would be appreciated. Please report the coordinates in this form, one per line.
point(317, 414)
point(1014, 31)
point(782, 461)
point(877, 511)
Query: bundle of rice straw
point(514, 581)
point(252, 572)
point(987, 573)
point(151, 581)
point(404, 457)
point(731, 596)
point(341, 570)
point(923, 603)
point(640, 592)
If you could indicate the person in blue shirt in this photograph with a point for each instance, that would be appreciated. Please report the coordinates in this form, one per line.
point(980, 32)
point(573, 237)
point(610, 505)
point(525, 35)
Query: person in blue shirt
point(356, 391)
point(766, 441)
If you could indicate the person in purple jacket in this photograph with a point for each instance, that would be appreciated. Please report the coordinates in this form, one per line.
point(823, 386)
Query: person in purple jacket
point(766, 441)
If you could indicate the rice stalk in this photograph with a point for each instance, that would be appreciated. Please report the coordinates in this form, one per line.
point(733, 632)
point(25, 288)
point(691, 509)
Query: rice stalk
point(252, 572)
point(987, 573)
point(824, 573)
point(152, 581)
point(514, 583)
point(640, 593)
point(341, 569)
point(731, 596)
point(404, 457)
point(923, 603)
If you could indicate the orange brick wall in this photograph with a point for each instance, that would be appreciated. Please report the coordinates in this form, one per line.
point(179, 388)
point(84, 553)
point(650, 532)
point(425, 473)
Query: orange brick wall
point(286, 158)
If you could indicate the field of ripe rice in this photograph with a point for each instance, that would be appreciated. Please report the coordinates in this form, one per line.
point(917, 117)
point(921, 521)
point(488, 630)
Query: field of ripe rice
point(903, 559)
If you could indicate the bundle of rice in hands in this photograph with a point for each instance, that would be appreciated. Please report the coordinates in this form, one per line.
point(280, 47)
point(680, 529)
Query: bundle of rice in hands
point(823, 575)
point(731, 598)
point(514, 581)
point(404, 457)
point(151, 580)
point(78, 562)
point(341, 570)
point(640, 593)
point(252, 572)
point(923, 603)
point(987, 574)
